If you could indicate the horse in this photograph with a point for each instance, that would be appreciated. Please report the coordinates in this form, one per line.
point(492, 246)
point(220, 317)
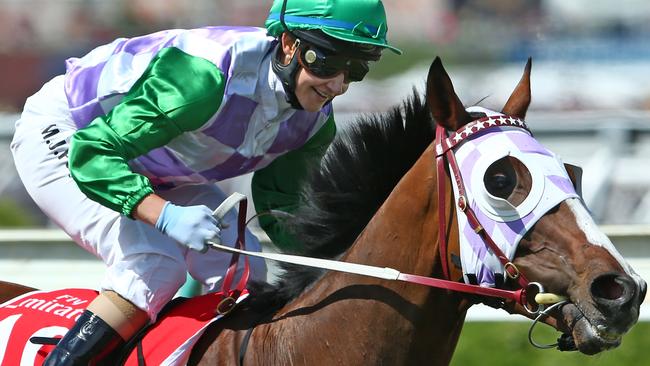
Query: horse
point(374, 200)
point(386, 194)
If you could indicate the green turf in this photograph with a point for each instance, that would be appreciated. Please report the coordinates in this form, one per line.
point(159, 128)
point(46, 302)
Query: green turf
point(506, 343)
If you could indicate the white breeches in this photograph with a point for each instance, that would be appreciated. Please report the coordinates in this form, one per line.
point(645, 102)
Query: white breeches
point(143, 265)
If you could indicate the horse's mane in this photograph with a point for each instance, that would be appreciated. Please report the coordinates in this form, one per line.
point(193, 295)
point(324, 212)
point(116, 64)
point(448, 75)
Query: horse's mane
point(359, 170)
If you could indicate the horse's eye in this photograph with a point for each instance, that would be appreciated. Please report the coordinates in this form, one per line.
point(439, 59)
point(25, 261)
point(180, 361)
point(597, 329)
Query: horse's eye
point(500, 179)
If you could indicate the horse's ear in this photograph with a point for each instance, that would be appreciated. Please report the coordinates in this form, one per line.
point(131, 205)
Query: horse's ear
point(519, 100)
point(445, 106)
point(575, 174)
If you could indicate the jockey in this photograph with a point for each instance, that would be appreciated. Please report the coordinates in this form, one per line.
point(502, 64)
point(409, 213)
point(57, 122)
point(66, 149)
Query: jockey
point(121, 151)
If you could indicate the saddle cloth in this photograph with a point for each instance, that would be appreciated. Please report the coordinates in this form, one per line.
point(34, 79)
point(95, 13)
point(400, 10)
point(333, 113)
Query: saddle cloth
point(51, 313)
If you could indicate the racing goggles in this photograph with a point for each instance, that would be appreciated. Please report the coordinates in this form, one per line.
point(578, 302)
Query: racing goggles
point(327, 65)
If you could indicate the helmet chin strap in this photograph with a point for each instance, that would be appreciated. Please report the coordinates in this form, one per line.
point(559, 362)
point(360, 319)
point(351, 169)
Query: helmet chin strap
point(287, 73)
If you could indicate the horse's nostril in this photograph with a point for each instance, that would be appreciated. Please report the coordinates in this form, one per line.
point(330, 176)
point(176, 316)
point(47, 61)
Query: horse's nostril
point(613, 288)
point(606, 287)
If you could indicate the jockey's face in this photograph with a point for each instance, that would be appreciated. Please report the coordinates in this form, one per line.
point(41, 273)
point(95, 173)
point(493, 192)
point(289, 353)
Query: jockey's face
point(312, 91)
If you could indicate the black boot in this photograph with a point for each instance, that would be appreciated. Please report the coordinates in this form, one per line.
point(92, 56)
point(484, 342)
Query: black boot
point(90, 339)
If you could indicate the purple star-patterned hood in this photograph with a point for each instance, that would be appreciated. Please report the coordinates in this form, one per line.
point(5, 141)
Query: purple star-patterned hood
point(505, 223)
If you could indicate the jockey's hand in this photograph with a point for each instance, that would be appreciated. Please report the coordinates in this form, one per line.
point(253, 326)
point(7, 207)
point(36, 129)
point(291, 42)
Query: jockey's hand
point(189, 225)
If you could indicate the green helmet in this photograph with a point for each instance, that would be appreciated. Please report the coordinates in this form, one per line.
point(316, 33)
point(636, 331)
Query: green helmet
point(358, 21)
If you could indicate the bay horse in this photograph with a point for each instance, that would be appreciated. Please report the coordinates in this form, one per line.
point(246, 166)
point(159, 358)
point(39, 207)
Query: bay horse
point(380, 198)
point(375, 201)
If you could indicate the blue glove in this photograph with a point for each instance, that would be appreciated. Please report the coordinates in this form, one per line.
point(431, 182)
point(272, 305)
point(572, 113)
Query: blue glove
point(189, 225)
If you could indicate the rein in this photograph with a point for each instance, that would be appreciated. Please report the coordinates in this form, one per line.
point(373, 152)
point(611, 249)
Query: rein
point(530, 295)
point(386, 273)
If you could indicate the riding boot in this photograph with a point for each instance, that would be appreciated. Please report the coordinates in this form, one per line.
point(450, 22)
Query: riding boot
point(90, 339)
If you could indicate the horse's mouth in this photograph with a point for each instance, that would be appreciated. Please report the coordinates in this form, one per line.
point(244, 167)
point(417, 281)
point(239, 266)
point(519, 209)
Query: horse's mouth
point(589, 337)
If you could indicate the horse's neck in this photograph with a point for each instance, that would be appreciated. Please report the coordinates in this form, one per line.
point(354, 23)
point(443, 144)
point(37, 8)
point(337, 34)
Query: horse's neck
point(378, 320)
point(403, 234)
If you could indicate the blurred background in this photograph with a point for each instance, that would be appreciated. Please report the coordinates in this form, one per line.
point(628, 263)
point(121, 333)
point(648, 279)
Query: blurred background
point(590, 86)
point(589, 80)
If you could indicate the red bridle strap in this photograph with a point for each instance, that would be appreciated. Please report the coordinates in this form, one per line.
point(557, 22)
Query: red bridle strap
point(232, 268)
point(442, 222)
point(518, 296)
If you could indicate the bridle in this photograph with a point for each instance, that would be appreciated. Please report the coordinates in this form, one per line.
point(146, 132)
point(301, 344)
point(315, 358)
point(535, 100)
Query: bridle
point(444, 155)
point(530, 295)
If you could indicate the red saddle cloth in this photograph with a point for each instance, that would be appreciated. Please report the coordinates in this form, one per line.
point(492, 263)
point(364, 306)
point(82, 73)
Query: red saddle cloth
point(52, 313)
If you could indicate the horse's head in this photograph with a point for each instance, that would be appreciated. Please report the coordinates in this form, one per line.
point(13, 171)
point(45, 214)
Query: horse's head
point(523, 198)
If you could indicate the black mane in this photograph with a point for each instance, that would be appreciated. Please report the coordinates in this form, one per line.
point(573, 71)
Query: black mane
point(358, 172)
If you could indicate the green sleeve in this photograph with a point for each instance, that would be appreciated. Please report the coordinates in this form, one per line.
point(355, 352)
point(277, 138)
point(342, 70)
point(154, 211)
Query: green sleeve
point(177, 93)
point(277, 186)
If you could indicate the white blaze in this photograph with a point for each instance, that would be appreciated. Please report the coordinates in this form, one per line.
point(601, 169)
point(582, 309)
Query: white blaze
point(596, 237)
